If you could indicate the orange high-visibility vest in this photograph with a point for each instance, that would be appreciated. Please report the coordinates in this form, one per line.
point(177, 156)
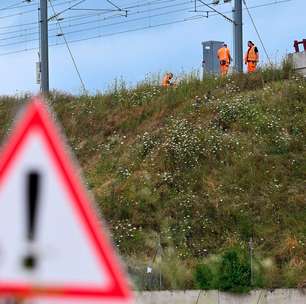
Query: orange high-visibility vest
point(166, 81)
point(251, 55)
point(224, 55)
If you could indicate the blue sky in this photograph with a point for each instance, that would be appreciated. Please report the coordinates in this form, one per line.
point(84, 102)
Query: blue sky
point(134, 55)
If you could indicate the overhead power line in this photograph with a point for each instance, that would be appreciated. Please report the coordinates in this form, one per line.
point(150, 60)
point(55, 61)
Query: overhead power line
point(12, 6)
point(26, 12)
point(65, 10)
point(216, 11)
point(168, 11)
point(114, 5)
point(90, 15)
point(28, 33)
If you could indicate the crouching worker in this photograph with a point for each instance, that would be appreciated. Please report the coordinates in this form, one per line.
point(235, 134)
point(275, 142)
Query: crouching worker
point(167, 80)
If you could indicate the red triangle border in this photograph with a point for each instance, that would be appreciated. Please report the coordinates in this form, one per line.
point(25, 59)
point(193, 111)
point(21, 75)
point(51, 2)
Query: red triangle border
point(36, 116)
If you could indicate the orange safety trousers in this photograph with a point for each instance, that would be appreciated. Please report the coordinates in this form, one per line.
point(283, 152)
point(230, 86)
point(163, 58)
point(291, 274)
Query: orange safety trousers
point(224, 69)
point(251, 66)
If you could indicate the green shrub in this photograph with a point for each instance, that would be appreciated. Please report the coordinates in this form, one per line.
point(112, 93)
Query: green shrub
point(204, 277)
point(234, 272)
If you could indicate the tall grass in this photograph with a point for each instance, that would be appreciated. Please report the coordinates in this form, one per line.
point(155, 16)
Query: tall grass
point(202, 167)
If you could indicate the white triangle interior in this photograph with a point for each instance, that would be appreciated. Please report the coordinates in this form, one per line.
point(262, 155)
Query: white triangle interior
point(66, 255)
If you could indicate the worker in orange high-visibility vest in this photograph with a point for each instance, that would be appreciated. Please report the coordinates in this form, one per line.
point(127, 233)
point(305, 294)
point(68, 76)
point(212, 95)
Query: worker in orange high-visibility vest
point(251, 57)
point(225, 59)
point(167, 80)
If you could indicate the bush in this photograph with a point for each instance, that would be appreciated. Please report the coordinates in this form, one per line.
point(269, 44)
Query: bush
point(204, 277)
point(234, 272)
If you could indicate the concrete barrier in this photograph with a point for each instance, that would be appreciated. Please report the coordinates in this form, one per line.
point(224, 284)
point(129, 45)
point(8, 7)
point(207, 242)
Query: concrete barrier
point(279, 296)
point(299, 62)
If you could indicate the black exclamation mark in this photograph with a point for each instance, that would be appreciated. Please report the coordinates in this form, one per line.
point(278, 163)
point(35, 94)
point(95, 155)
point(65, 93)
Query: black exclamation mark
point(32, 193)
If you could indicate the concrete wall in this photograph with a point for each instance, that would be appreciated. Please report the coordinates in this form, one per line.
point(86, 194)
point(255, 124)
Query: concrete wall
point(280, 296)
point(299, 62)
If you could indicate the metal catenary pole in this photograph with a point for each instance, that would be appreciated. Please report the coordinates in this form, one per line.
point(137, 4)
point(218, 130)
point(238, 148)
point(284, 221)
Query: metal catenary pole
point(238, 36)
point(44, 52)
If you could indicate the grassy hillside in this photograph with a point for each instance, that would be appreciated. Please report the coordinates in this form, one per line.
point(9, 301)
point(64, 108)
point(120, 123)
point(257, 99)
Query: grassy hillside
point(184, 175)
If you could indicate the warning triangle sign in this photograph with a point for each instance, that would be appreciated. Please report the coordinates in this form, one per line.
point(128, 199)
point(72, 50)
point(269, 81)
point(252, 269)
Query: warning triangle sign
point(51, 241)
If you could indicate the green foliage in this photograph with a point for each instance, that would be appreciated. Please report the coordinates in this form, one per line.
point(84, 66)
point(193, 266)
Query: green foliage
point(235, 272)
point(203, 166)
point(204, 277)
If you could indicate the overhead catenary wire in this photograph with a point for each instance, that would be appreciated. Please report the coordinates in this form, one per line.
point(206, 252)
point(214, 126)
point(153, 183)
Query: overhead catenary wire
point(114, 5)
point(98, 12)
point(11, 6)
point(28, 48)
point(68, 47)
point(146, 17)
point(146, 10)
point(164, 14)
point(257, 32)
point(87, 15)
point(124, 22)
point(216, 11)
point(21, 4)
point(94, 21)
point(81, 30)
point(65, 10)
point(26, 12)
point(27, 34)
point(105, 35)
